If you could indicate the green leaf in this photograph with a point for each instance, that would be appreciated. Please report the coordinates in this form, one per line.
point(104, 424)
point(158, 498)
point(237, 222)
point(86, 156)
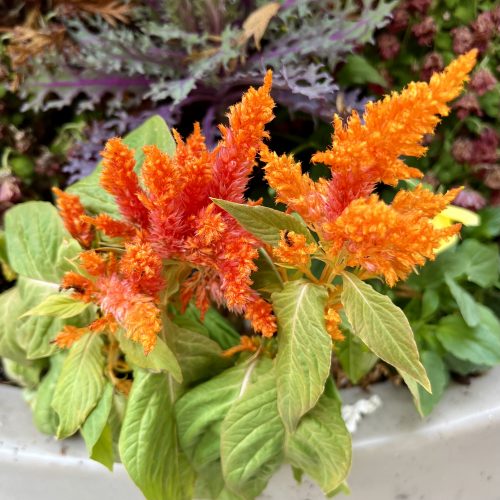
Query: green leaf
point(38, 245)
point(208, 403)
point(481, 262)
point(465, 302)
point(59, 306)
point(80, 384)
point(266, 279)
point(304, 349)
point(383, 327)
point(479, 345)
point(45, 417)
point(355, 358)
point(321, 445)
point(263, 222)
point(23, 374)
point(11, 307)
point(358, 71)
point(199, 357)
point(161, 358)
point(439, 377)
point(430, 302)
point(94, 424)
point(93, 196)
point(252, 438)
point(149, 448)
point(102, 451)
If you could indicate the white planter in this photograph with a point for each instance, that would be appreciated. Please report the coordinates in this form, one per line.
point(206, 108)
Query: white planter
point(453, 455)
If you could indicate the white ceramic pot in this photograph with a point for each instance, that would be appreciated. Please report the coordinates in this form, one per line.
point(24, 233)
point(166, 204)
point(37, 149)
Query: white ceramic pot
point(452, 455)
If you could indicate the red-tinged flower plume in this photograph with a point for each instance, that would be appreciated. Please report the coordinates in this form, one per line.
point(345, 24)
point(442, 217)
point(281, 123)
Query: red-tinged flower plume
point(72, 213)
point(174, 217)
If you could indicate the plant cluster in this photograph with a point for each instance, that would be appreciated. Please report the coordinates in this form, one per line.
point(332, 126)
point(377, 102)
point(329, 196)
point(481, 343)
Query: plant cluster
point(189, 331)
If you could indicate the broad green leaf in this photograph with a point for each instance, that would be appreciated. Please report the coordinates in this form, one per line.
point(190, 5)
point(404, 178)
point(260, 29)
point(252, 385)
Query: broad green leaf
point(439, 377)
point(321, 445)
point(480, 261)
point(355, 358)
point(11, 307)
point(383, 327)
point(102, 451)
point(479, 345)
point(414, 389)
point(94, 424)
point(152, 131)
point(304, 349)
point(430, 302)
point(24, 375)
point(263, 222)
point(461, 366)
point(252, 438)
point(148, 444)
point(266, 279)
point(208, 403)
point(44, 415)
point(59, 306)
point(38, 245)
point(80, 384)
point(465, 302)
point(161, 358)
point(199, 357)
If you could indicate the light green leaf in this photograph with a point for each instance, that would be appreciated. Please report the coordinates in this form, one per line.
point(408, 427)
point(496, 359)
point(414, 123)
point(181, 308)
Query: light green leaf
point(148, 442)
point(208, 403)
point(59, 306)
point(93, 196)
point(263, 222)
point(199, 357)
point(252, 438)
point(304, 349)
point(321, 445)
point(94, 424)
point(266, 279)
point(383, 327)
point(355, 358)
point(465, 302)
point(161, 358)
point(102, 451)
point(45, 417)
point(481, 262)
point(479, 345)
point(80, 384)
point(414, 389)
point(38, 245)
point(23, 374)
point(439, 377)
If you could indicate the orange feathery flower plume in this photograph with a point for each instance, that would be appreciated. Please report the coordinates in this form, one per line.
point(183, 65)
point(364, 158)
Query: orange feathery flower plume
point(120, 180)
point(384, 241)
point(368, 150)
point(111, 227)
point(235, 154)
point(69, 335)
point(82, 288)
point(72, 212)
point(294, 249)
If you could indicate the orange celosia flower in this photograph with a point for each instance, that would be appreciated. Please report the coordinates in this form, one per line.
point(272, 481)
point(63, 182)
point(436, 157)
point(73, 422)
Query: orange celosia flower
point(120, 180)
point(294, 249)
point(367, 151)
point(384, 241)
point(235, 154)
point(82, 287)
point(111, 227)
point(93, 263)
point(332, 323)
point(69, 335)
point(248, 344)
point(72, 212)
